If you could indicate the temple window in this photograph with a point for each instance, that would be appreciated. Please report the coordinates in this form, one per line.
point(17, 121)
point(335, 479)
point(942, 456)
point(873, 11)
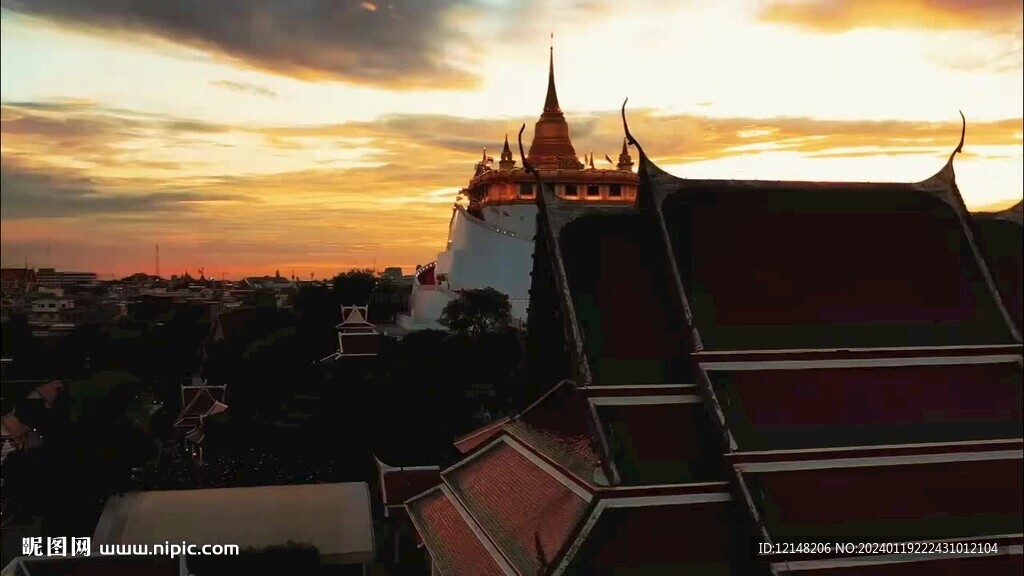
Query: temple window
point(570, 190)
point(593, 191)
point(525, 190)
point(615, 191)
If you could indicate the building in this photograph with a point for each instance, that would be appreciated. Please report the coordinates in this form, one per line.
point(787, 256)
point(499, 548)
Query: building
point(490, 240)
point(356, 335)
point(396, 485)
point(17, 281)
point(51, 278)
point(335, 519)
point(746, 364)
point(199, 402)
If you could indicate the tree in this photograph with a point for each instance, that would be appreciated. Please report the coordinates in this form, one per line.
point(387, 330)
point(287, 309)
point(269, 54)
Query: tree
point(354, 287)
point(477, 311)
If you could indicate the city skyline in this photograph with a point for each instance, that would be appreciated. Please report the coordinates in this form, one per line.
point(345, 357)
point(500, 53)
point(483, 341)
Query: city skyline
point(335, 135)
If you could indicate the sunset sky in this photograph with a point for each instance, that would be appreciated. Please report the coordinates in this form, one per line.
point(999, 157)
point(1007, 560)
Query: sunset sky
point(317, 135)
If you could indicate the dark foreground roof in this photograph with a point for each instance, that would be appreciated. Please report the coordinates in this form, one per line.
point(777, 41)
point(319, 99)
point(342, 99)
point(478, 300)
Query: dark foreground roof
point(744, 362)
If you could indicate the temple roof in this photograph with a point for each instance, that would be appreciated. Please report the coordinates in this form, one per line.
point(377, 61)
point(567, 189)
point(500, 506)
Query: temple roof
point(837, 404)
point(843, 351)
point(1001, 236)
point(906, 499)
point(198, 402)
point(665, 535)
point(482, 435)
point(455, 542)
point(400, 484)
point(528, 509)
point(790, 265)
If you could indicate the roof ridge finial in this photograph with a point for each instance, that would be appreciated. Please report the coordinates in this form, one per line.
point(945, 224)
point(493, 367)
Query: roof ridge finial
point(551, 101)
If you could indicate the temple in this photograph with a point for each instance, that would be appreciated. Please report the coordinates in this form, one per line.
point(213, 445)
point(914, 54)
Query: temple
point(491, 235)
point(199, 402)
point(727, 367)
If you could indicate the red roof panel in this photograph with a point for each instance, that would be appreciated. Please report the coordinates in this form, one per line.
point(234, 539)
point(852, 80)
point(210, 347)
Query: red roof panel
point(558, 426)
point(1001, 239)
point(791, 265)
point(625, 300)
point(401, 485)
point(862, 406)
point(672, 538)
point(529, 513)
point(932, 499)
point(662, 443)
point(453, 545)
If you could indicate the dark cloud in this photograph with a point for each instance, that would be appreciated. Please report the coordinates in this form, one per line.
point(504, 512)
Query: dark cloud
point(246, 87)
point(398, 44)
point(834, 16)
point(34, 193)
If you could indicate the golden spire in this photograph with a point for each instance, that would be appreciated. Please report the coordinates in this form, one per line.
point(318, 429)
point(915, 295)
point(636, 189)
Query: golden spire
point(551, 101)
point(625, 162)
point(506, 162)
point(551, 147)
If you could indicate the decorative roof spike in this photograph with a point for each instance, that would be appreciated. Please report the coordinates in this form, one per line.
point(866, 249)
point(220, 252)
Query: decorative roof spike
point(506, 162)
point(625, 162)
point(551, 101)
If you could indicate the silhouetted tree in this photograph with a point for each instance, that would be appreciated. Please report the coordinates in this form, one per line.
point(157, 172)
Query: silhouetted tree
point(354, 287)
point(476, 312)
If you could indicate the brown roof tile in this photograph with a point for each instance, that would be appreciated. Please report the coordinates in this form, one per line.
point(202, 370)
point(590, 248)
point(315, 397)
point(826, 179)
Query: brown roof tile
point(529, 513)
point(453, 545)
point(558, 426)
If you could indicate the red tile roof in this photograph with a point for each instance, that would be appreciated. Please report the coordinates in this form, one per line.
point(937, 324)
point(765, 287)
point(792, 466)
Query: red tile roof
point(625, 300)
point(469, 442)
point(399, 485)
point(529, 513)
point(676, 538)
point(834, 406)
point(919, 501)
point(452, 542)
point(558, 425)
point(783, 265)
point(665, 443)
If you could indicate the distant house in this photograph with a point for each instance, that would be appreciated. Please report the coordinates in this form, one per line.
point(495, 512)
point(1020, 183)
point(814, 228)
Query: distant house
point(17, 280)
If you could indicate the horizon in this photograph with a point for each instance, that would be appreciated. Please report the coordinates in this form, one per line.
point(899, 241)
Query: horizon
point(332, 136)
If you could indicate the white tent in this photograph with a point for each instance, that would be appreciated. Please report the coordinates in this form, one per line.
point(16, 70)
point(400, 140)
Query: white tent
point(335, 518)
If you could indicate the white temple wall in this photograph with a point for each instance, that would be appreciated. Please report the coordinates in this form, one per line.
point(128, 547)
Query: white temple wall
point(519, 219)
point(482, 257)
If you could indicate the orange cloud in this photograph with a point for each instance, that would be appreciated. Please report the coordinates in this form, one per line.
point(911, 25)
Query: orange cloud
point(842, 15)
point(96, 185)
